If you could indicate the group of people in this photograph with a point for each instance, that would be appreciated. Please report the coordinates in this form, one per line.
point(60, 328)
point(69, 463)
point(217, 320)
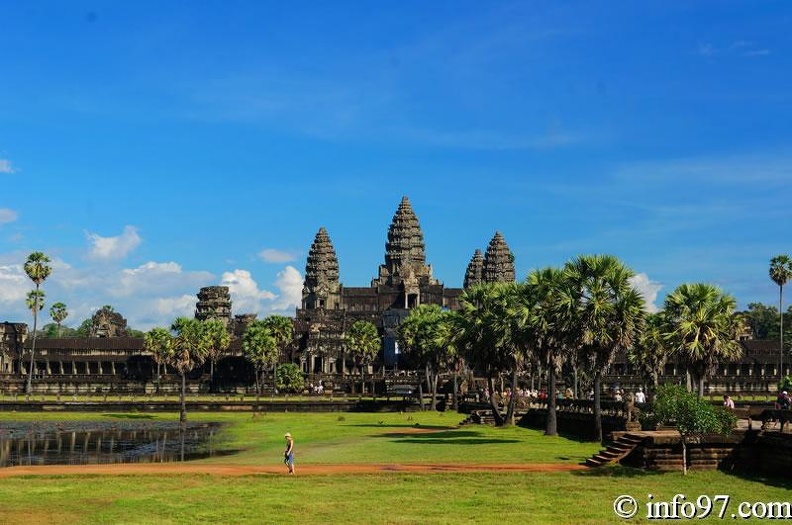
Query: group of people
point(783, 402)
point(317, 390)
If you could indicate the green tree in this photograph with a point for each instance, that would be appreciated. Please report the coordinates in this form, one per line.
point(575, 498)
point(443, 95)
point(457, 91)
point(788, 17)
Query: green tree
point(84, 330)
point(702, 328)
point(650, 355)
point(289, 378)
point(608, 315)
point(59, 313)
point(218, 341)
point(763, 320)
point(691, 415)
point(780, 273)
point(190, 348)
point(282, 329)
point(261, 349)
point(548, 298)
point(159, 342)
point(37, 267)
point(492, 336)
point(426, 337)
point(364, 343)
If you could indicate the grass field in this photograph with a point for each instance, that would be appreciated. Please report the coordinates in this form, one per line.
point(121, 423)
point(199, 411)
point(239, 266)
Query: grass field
point(387, 497)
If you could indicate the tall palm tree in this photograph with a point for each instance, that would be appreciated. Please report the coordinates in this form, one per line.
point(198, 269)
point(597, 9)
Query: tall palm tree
point(190, 348)
point(493, 336)
point(59, 313)
point(701, 326)
point(780, 273)
point(609, 315)
point(550, 328)
point(282, 329)
point(425, 336)
point(651, 353)
point(261, 349)
point(364, 342)
point(37, 267)
point(159, 342)
point(218, 341)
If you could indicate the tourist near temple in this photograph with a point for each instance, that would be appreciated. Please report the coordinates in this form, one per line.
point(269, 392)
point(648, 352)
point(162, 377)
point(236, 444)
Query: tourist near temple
point(109, 359)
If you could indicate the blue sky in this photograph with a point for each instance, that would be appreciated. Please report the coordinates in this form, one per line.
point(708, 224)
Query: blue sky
point(152, 148)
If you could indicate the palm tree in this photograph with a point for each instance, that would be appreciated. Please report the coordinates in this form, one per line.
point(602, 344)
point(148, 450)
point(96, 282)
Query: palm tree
point(608, 315)
point(159, 342)
point(701, 326)
point(190, 348)
point(364, 342)
point(59, 313)
point(261, 349)
point(282, 329)
point(651, 352)
point(492, 335)
point(218, 341)
point(780, 273)
point(37, 267)
point(426, 336)
point(548, 297)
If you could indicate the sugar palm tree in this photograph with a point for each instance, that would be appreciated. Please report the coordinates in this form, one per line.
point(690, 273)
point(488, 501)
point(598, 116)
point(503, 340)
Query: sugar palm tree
point(608, 315)
point(190, 347)
point(159, 342)
point(37, 267)
point(261, 349)
point(364, 342)
point(59, 313)
point(282, 329)
point(492, 336)
point(550, 297)
point(651, 353)
point(702, 328)
point(218, 341)
point(780, 273)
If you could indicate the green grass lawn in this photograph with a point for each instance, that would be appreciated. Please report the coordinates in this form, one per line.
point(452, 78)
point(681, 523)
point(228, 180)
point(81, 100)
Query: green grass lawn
point(481, 497)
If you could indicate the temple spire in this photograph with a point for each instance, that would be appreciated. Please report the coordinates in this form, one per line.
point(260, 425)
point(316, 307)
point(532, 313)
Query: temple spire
point(404, 251)
point(321, 286)
point(475, 270)
point(498, 261)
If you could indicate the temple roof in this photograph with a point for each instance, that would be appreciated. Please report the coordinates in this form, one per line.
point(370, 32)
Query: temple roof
point(404, 251)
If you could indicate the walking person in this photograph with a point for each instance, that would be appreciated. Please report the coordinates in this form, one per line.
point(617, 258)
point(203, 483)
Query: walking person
point(288, 455)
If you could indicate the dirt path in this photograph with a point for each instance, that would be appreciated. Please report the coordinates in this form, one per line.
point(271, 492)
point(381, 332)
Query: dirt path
point(167, 469)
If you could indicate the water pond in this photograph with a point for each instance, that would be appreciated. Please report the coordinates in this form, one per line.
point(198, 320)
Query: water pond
point(94, 442)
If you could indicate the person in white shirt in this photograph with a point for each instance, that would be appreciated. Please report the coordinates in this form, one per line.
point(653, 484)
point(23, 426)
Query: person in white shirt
point(640, 397)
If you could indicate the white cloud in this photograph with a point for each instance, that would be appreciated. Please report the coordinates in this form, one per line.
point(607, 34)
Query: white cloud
point(7, 216)
point(290, 283)
point(245, 294)
point(6, 167)
point(272, 255)
point(154, 279)
point(114, 247)
point(647, 289)
point(14, 285)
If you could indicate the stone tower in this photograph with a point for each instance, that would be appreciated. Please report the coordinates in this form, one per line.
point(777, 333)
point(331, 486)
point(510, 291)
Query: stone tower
point(214, 302)
point(405, 259)
point(498, 264)
point(108, 323)
point(321, 288)
point(475, 270)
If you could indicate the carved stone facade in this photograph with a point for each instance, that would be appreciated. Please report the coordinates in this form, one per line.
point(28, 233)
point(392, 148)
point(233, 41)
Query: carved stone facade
point(12, 340)
point(107, 323)
point(329, 308)
point(496, 266)
point(214, 302)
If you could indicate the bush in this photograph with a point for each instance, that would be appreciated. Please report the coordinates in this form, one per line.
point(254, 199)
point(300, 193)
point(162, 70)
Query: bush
point(289, 378)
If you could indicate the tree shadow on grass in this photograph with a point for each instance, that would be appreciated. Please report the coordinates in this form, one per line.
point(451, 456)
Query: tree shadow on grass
point(129, 416)
point(617, 471)
point(775, 481)
point(404, 426)
point(456, 437)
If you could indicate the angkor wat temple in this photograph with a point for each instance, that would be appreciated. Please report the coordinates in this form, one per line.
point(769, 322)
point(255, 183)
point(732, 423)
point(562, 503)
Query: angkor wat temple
point(404, 280)
point(328, 309)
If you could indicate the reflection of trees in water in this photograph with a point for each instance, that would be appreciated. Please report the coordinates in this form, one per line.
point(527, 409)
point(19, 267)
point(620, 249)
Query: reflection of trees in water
point(35, 444)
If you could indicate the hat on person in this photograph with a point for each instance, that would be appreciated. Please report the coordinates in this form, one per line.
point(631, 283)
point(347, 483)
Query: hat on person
point(784, 392)
point(288, 435)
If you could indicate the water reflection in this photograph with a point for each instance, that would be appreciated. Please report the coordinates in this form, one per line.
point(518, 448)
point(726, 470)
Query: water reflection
point(84, 443)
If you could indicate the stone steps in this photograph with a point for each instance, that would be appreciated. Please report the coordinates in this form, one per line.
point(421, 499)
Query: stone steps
point(616, 450)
